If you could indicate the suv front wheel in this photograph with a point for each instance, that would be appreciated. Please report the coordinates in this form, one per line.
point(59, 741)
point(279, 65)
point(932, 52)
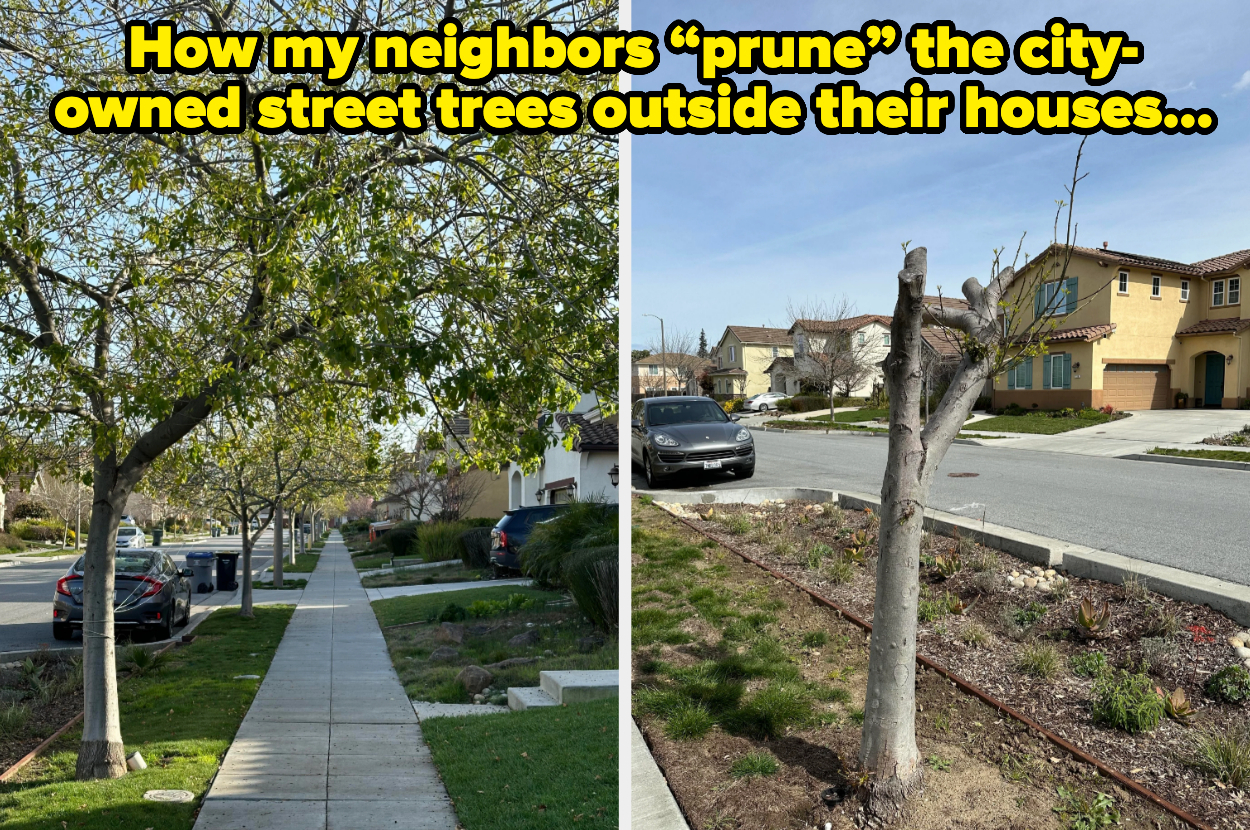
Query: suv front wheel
point(653, 480)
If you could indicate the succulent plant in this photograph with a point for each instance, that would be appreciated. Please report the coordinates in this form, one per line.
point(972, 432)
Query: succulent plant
point(1177, 707)
point(1091, 621)
point(948, 565)
point(956, 605)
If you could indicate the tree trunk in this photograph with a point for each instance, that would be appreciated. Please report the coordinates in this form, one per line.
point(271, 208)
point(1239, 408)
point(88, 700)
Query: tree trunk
point(888, 745)
point(279, 550)
point(101, 754)
point(245, 609)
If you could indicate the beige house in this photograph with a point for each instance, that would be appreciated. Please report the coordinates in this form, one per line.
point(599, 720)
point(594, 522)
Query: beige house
point(742, 358)
point(865, 341)
point(668, 374)
point(1134, 332)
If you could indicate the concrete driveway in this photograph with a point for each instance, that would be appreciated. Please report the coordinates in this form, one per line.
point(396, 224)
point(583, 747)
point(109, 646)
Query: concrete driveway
point(1141, 432)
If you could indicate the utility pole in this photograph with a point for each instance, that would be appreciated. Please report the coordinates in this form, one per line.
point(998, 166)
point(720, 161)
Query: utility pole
point(663, 352)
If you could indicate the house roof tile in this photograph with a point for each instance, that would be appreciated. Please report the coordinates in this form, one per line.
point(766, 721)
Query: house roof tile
point(1202, 268)
point(759, 335)
point(943, 341)
point(848, 324)
point(1087, 334)
point(591, 437)
point(1228, 325)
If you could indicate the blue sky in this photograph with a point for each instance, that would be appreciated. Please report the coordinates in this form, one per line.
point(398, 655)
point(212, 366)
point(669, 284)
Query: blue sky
point(728, 229)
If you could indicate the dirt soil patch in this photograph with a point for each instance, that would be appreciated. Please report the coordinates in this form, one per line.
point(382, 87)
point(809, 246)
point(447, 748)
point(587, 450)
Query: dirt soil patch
point(36, 699)
point(1177, 645)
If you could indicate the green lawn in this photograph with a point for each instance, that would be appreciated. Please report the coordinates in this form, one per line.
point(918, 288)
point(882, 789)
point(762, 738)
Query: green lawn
point(399, 610)
point(1219, 455)
point(287, 584)
point(854, 416)
point(1037, 423)
point(423, 576)
point(181, 718)
point(304, 564)
point(371, 561)
point(559, 766)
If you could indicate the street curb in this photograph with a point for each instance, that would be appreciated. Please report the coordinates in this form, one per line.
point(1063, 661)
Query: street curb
point(869, 433)
point(745, 495)
point(1191, 462)
point(653, 803)
point(1229, 598)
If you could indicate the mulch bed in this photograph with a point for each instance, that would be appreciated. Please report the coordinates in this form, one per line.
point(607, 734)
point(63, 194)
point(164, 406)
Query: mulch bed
point(1061, 705)
point(45, 717)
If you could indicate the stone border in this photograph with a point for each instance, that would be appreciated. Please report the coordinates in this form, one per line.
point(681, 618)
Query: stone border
point(1191, 462)
point(1229, 598)
point(653, 806)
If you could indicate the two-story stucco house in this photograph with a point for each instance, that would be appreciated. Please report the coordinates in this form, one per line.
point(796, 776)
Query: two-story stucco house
point(1134, 331)
point(583, 472)
point(852, 360)
point(742, 358)
point(671, 374)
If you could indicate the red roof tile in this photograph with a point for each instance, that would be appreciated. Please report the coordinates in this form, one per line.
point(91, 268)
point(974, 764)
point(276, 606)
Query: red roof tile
point(760, 334)
point(1225, 326)
point(848, 324)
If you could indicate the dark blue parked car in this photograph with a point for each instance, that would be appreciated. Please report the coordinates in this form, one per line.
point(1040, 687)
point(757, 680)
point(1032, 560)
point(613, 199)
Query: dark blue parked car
point(510, 532)
point(150, 594)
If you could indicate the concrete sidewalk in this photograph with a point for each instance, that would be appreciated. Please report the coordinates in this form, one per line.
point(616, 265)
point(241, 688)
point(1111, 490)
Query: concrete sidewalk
point(331, 741)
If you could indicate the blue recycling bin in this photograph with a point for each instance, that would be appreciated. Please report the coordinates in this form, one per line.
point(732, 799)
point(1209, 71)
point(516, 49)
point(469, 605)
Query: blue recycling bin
point(201, 563)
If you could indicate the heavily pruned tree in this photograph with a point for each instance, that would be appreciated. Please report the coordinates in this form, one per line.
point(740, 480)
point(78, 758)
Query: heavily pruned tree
point(1002, 325)
point(148, 280)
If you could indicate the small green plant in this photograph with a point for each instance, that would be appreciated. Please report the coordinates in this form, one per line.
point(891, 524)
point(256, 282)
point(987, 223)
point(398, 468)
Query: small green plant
point(1127, 701)
point(930, 608)
point(1091, 621)
point(13, 718)
point(948, 565)
point(942, 721)
point(138, 660)
point(737, 524)
point(856, 550)
point(1088, 664)
point(1016, 768)
point(753, 764)
point(974, 634)
point(1222, 754)
point(1060, 589)
point(1156, 652)
point(1176, 707)
point(983, 561)
point(1083, 813)
point(817, 554)
point(646, 500)
point(1135, 588)
point(688, 721)
point(856, 715)
point(1163, 623)
point(838, 571)
point(815, 639)
point(1230, 684)
point(957, 606)
point(452, 613)
point(1040, 660)
point(986, 583)
point(1028, 616)
point(938, 763)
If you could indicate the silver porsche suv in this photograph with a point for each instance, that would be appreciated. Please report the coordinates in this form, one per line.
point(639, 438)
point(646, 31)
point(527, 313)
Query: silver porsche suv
point(673, 434)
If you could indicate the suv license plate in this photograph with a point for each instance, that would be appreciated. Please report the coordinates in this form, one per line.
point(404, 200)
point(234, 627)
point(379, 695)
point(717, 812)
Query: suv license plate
point(711, 465)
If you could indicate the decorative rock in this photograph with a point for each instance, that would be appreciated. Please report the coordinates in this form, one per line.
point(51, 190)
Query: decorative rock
point(1043, 585)
point(1014, 574)
point(1243, 652)
point(474, 679)
point(1018, 582)
point(1236, 642)
point(450, 633)
point(1246, 663)
point(1244, 637)
point(1050, 572)
point(1038, 570)
point(529, 638)
point(1030, 582)
point(478, 698)
point(443, 653)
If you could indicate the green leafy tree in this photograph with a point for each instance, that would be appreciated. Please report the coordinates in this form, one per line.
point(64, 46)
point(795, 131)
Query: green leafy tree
point(149, 280)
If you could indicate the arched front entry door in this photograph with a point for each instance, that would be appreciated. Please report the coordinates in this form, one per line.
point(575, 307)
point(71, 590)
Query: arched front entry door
point(514, 491)
point(1213, 381)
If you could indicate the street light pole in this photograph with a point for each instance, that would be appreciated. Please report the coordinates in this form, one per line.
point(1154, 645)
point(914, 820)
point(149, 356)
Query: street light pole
point(663, 351)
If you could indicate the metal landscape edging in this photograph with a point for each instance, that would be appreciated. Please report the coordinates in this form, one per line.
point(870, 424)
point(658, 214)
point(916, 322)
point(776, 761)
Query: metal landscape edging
point(969, 688)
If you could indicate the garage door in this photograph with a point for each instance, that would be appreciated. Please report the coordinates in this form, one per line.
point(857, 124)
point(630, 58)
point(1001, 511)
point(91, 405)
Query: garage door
point(1129, 386)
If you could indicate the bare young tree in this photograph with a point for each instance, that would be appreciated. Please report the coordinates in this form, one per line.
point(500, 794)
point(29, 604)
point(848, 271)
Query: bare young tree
point(681, 362)
point(1001, 325)
point(459, 490)
point(831, 352)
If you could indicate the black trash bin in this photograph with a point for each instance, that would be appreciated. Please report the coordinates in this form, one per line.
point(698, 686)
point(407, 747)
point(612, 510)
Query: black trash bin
point(227, 565)
point(157, 534)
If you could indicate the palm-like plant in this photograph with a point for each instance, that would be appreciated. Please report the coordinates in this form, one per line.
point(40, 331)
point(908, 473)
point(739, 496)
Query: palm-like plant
point(1091, 621)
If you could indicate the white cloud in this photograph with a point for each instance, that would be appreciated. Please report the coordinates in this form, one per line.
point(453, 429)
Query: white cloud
point(1243, 83)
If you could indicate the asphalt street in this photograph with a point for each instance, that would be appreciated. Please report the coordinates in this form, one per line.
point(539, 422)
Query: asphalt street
point(1193, 518)
point(26, 590)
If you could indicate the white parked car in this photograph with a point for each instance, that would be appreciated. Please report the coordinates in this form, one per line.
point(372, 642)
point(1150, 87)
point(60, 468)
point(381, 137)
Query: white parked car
point(131, 537)
point(763, 402)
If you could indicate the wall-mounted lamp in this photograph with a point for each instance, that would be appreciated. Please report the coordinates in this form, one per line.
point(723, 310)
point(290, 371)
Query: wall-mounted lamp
point(614, 474)
point(1229, 360)
point(1075, 366)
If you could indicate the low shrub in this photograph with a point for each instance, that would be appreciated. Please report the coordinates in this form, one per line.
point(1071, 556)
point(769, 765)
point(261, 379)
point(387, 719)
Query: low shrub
point(475, 547)
point(1230, 684)
point(1222, 754)
point(688, 721)
point(440, 541)
point(974, 634)
point(570, 552)
point(1088, 664)
point(31, 510)
point(732, 405)
point(401, 539)
point(1156, 652)
point(38, 530)
point(752, 764)
point(1039, 660)
point(452, 613)
point(496, 607)
point(13, 718)
point(8, 540)
point(586, 572)
point(1128, 702)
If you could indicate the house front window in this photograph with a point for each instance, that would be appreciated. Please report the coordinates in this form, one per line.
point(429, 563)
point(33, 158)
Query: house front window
point(1156, 286)
point(1234, 290)
point(885, 340)
point(1056, 372)
point(1184, 291)
point(774, 351)
point(732, 354)
point(862, 338)
point(653, 370)
point(1124, 282)
point(1217, 293)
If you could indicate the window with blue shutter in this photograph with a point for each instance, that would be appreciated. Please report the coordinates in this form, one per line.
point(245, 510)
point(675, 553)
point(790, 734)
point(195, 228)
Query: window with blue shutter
point(1026, 373)
point(1070, 286)
point(1067, 371)
point(1011, 377)
point(1046, 361)
point(1039, 301)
